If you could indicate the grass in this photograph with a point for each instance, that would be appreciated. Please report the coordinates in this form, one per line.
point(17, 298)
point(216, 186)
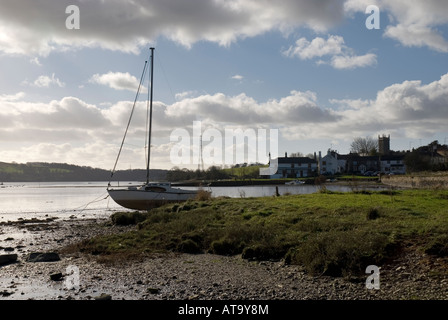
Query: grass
point(328, 233)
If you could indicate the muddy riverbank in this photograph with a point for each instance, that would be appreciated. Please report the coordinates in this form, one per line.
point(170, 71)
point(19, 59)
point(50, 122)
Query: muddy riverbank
point(174, 276)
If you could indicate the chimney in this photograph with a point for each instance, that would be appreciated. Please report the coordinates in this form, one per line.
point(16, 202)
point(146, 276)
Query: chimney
point(286, 154)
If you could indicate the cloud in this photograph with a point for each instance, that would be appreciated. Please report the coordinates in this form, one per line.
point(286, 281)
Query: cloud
point(298, 107)
point(413, 23)
point(12, 97)
point(342, 56)
point(69, 114)
point(237, 77)
point(118, 81)
point(411, 107)
point(416, 35)
point(318, 47)
point(185, 94)
point(72, 130)
point(46, 81)
point(35, 28)
point(36, 61)
point(351, 62)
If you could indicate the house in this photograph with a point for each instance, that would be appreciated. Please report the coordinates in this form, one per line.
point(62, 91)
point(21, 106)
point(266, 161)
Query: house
point(331, 163)
point(385, 161)
point(392, 164)
point(360, 164)
point(290, 167)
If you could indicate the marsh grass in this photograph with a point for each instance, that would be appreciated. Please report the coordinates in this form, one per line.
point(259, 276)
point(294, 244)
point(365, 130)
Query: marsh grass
point(329, 233)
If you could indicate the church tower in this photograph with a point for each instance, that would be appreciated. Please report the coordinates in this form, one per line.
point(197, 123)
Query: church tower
point(384, 144)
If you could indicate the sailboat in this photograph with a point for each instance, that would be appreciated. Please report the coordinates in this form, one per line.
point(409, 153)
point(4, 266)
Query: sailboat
point(151, 194)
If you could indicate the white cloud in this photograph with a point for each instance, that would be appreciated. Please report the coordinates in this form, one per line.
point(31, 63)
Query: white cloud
point(416, 35)
point(36, 61)
point(238, 77)
point(351, 62)
point(118, 81)
point(71, 130)
point(318, 47)
point(342, 56)
point(12, 97)
point(297, 108)
point(183, 95)
point(35, 28)
point(413, 23)
point(30, 28)
point(46, 81)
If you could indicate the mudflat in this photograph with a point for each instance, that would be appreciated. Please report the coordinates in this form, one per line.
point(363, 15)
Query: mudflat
point(178, 276)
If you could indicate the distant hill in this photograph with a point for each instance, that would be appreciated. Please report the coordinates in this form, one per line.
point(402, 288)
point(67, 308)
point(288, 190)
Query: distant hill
point(42, 172)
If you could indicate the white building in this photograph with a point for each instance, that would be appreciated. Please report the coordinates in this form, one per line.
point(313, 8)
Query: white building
point(331, 163)
point(290, 167)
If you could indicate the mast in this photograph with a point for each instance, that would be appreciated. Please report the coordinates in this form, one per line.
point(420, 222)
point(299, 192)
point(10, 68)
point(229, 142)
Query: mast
point(150, 115)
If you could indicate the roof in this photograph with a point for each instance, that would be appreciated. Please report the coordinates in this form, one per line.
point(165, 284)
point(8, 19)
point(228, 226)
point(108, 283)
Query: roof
point(392, 157)
point(296, 160)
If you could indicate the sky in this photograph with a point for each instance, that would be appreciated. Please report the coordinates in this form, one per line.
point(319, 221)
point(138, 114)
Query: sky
point(307, 76)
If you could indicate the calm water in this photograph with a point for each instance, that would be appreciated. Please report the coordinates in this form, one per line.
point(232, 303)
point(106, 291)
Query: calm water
point(90, 199)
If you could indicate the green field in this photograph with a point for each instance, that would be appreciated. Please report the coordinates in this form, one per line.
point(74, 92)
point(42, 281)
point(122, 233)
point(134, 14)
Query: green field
point(336, 234)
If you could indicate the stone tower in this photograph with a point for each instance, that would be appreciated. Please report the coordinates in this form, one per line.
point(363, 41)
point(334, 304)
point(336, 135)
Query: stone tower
point(384, 144)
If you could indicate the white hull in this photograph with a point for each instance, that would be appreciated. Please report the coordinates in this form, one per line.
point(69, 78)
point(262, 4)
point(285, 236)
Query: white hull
point(149, 196)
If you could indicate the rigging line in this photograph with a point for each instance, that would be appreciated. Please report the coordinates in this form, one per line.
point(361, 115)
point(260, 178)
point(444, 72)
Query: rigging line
point(159, 61)
point(175, 100)
point(129, 122)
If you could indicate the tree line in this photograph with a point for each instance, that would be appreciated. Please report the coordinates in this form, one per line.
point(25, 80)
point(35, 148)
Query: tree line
point(52, 172)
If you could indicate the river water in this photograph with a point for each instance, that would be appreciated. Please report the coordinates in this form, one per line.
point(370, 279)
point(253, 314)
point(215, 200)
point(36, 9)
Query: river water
point(29, 200)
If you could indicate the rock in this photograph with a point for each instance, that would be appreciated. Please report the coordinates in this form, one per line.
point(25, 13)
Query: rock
point(5, 293)
point(7, 259)
point(103, 296)
point(56, 276)
point(153, 290)
point(42, 257)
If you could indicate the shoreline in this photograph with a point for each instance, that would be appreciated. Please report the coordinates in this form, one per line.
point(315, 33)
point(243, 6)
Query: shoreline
point(175, 276)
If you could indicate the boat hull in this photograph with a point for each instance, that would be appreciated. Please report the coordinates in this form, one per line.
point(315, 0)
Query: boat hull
point(140, 199)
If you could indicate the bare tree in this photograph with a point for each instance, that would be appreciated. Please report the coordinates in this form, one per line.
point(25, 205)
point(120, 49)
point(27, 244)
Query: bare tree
point(296, 154)
point(364, 146)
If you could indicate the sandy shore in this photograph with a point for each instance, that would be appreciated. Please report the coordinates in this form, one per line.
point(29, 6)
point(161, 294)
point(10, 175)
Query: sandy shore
point(413, 275)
